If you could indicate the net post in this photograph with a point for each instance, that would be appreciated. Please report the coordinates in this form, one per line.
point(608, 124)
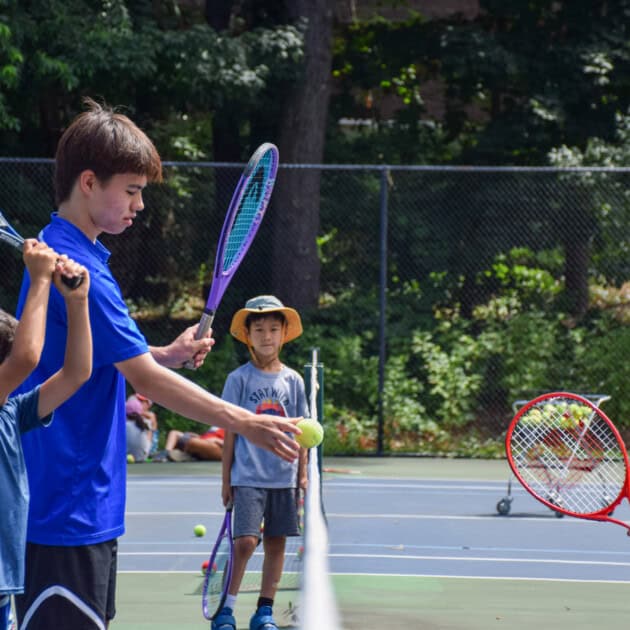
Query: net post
point(308, 369)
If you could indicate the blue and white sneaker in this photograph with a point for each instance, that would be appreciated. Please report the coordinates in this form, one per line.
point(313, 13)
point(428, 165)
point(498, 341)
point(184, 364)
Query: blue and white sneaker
point(224, 620)
point(263, 619)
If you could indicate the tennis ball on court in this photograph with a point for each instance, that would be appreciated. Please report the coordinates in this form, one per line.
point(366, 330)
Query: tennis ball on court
point(312, 433)
point(130, 459)
point(199, 530)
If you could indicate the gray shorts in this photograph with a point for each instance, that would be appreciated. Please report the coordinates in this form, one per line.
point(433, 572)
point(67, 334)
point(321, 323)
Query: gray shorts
point(276, 506)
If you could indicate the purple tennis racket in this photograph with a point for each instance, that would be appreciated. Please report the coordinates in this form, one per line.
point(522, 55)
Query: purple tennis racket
point(243, 218)
point(219, 570)
point(10, 236)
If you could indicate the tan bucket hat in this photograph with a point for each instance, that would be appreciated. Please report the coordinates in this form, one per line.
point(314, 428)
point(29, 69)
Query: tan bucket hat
point(266, 304)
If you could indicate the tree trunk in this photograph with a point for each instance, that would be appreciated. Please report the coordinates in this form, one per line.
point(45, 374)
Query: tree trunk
point(577, 258)
point(296, 267)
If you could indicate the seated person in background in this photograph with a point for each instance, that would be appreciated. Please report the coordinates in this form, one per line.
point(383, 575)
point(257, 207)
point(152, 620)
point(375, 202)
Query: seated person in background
point(187, 447)
point(139, 433)
point(151, 418)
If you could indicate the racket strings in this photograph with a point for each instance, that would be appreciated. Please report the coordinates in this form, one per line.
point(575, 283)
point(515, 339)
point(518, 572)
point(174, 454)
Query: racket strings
point(569, 455)
point(8, 233)
point(218, 572)
point(248, 212)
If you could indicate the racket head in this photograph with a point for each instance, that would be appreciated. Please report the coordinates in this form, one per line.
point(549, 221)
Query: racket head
point(567, 454)
point(244, 216)
point(8, 234)
point(219, 572)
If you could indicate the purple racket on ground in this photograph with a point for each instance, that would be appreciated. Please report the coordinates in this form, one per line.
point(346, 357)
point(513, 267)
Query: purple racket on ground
point(219, 571)
point(9, 235)
point(243, 218)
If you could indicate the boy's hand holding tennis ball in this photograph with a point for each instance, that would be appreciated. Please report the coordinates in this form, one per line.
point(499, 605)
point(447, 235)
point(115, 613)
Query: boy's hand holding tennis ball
point(312, 433)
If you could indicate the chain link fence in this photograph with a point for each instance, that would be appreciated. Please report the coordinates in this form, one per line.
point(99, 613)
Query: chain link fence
point(464, 288)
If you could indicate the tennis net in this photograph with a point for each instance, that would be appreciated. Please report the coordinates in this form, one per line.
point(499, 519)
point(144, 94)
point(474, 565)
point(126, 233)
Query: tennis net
point(318, 606)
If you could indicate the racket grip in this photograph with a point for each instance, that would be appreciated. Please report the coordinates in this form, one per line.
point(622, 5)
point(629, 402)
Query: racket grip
point(73, 282)
point(204, 326)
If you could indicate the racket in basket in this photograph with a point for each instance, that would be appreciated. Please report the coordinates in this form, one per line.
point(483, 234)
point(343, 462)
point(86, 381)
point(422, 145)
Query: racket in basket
point(10, 236)
point(568, 454)
point(219, 572)
point(247, 208)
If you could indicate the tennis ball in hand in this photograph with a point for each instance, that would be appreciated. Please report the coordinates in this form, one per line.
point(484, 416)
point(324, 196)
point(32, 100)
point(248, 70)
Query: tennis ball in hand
point(199, 530)
point(312, 433)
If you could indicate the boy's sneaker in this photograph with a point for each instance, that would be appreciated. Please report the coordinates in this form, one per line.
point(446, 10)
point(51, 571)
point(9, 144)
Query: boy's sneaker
point(224, 620)
point(160, 456)
point(263, 619)
point(175, 455)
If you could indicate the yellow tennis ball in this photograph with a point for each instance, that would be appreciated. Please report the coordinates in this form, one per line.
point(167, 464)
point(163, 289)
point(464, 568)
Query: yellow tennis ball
point(312, 433)
point(130, 459)
point(199, 530)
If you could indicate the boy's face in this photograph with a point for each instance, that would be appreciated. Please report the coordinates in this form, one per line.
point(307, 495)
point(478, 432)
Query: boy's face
point(115, 203)
point(266, 336)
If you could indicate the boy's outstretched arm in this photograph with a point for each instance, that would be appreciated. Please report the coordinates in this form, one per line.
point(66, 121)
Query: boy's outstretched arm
point(31, 330)
point(77, 366)
point(170, 390)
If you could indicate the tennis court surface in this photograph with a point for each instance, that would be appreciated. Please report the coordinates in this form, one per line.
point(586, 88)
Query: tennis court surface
point(414, 543)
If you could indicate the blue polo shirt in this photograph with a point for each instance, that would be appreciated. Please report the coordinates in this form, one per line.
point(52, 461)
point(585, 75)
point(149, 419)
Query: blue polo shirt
point(77, 466)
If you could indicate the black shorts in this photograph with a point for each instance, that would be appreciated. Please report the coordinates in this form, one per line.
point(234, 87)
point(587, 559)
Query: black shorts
point(69, 588)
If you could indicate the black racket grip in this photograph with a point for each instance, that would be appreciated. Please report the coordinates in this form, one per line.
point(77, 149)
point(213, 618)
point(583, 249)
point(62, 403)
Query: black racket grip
point(73, 282)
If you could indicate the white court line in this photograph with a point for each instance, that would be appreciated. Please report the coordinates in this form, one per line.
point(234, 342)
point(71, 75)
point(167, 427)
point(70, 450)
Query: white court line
point(383, 556)
point(144, 544)
point(483, 577)
point(340, 515)
point(402, 484)
point(411, 575)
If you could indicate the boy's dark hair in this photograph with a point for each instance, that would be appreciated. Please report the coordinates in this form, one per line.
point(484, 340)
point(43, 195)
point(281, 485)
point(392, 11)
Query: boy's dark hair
point(8, 325)
point(107, 143)
point(252, 318)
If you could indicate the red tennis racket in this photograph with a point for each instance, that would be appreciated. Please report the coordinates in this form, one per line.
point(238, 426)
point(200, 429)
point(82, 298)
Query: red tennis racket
point(569, 455)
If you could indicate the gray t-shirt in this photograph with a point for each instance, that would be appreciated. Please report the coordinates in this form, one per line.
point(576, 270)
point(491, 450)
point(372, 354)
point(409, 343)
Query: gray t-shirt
point(276, 393)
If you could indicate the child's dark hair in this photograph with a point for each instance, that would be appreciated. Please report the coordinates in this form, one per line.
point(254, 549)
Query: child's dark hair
point(252, 318)
point(107, 143)
point(8, 325)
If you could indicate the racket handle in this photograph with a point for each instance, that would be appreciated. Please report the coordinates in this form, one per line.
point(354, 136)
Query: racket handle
point(18, 242)
point(205, 324)
point(73, 282)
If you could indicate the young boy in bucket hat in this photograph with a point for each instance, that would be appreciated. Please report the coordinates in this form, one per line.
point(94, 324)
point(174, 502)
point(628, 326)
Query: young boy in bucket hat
point(260, 486)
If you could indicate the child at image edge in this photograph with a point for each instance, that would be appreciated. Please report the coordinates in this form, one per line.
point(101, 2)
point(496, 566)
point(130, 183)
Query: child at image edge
point(258, 484)
point(20, 349)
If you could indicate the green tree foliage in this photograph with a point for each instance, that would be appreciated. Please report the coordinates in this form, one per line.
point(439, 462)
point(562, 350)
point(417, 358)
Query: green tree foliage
point(162, 64)
point(515, 81)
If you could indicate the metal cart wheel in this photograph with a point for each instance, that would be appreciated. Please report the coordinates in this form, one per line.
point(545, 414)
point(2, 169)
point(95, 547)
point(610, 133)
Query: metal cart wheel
point(503, 506)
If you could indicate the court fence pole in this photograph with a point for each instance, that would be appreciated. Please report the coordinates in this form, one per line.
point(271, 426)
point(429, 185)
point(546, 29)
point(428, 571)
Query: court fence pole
point(382, 308)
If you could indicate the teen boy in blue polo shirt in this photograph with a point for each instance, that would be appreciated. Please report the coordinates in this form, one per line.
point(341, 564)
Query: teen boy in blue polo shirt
point(77, 472)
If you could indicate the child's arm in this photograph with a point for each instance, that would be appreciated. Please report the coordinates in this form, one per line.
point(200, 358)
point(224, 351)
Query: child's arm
point(31, 329)
point(227, 457)
point(77, 366)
